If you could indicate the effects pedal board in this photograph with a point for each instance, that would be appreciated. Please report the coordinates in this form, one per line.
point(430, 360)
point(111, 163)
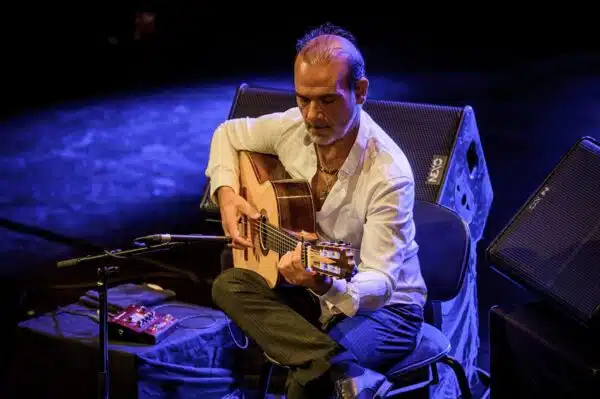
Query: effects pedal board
point(139, 324)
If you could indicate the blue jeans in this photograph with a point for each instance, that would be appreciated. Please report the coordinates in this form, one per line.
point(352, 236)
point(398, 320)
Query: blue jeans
point(380, 338)
point(284, 323)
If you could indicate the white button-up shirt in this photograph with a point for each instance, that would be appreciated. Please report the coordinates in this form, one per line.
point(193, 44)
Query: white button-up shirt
point(369, 206)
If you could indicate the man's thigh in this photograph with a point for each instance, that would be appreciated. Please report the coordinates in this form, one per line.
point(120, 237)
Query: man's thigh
point(382, 337)
point(301, 301)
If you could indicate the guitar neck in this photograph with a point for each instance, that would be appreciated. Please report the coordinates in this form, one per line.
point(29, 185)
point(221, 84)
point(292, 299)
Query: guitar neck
point(333, 259)
point(276, 239)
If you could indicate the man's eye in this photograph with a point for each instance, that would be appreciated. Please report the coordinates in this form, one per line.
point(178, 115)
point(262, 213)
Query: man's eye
point(328, 100)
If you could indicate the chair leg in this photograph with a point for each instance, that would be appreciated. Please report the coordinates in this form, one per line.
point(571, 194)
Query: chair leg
point(463, 383)
point(265, 379)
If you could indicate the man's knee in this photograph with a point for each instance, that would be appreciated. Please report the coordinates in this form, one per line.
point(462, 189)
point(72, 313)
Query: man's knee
point(224, 285)
point(231, 282)
point(378, 338)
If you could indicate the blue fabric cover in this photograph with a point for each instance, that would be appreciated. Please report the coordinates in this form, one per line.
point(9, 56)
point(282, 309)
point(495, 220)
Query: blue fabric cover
point(198, 360)
point(123, 295)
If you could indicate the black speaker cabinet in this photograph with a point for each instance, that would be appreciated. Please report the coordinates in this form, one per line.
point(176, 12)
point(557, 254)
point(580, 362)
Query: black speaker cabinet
point(537, 352)
point(552, 245)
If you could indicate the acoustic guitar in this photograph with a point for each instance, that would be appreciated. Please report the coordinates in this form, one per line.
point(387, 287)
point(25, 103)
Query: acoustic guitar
point(287, 208)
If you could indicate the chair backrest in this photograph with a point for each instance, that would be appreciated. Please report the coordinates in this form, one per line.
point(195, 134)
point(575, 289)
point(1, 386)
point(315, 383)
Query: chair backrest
point(445, 247)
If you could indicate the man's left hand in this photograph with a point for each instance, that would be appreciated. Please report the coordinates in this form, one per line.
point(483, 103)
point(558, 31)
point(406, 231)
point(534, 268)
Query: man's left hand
point(291, 268)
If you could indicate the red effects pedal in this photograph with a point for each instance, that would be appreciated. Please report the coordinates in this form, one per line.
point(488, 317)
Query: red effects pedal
point(139, 324)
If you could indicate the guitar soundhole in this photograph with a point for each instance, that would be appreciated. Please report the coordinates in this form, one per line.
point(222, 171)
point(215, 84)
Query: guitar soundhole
point(263, 234)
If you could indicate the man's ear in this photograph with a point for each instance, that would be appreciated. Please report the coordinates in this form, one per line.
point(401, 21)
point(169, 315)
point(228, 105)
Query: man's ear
point(362, 90)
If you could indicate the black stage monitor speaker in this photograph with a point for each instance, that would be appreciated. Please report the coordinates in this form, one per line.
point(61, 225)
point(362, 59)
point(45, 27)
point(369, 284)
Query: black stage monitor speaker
point(441, 142)
point(536, 352)
point(552, 245)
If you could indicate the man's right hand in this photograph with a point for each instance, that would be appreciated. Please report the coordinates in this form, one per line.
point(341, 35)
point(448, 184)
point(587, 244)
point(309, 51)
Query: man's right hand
point(232, 206)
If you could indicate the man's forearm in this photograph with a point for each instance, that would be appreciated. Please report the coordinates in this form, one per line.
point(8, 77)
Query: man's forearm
point(223, 191)
point(222, 166)
point(369, 290)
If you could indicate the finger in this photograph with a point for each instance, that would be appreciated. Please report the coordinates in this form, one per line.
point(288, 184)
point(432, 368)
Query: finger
point(297, 256)
point(308, 236)
point(290, 280)
point(286, 269)
point(231, 222)
point(284, 261)
point(224, 222)
point(242, 242)
point(248, 210)
point(235, 245)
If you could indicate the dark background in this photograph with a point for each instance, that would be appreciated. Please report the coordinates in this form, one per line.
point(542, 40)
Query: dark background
point(533, 82)
point(51, 53)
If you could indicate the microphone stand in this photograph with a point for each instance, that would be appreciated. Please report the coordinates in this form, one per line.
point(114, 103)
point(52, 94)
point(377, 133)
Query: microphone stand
point(152, 244)
point(105, 270)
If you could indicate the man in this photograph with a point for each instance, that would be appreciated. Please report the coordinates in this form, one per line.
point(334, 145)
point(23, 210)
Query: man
point(364, 193)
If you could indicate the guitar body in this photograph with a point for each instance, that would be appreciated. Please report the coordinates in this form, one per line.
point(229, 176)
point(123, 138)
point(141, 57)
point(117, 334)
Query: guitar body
point(283, 203)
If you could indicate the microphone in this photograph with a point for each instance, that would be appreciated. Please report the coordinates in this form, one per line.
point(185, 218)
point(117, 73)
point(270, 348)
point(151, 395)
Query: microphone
point(183, 238)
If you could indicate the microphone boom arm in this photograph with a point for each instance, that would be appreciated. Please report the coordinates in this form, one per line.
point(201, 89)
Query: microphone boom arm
point(180, 238)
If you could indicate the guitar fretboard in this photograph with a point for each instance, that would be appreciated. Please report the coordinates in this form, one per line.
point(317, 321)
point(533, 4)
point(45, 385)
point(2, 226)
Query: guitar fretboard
point(276, 239)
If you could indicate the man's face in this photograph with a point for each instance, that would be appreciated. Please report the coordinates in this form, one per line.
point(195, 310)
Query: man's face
point(328, 106)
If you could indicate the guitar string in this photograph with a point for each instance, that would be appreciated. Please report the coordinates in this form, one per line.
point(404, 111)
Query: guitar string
point(280, 237)
point(278, 242)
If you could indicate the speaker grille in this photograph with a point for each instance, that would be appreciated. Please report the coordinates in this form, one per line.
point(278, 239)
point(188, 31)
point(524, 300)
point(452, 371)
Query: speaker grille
point(254, 102)
point(423, 131)
point(553, 244)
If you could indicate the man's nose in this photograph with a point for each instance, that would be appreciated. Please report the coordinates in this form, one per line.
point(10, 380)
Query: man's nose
point(314, 112)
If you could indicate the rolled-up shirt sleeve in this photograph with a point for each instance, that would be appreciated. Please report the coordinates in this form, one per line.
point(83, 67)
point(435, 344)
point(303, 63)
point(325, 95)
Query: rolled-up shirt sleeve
point(260, 134)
